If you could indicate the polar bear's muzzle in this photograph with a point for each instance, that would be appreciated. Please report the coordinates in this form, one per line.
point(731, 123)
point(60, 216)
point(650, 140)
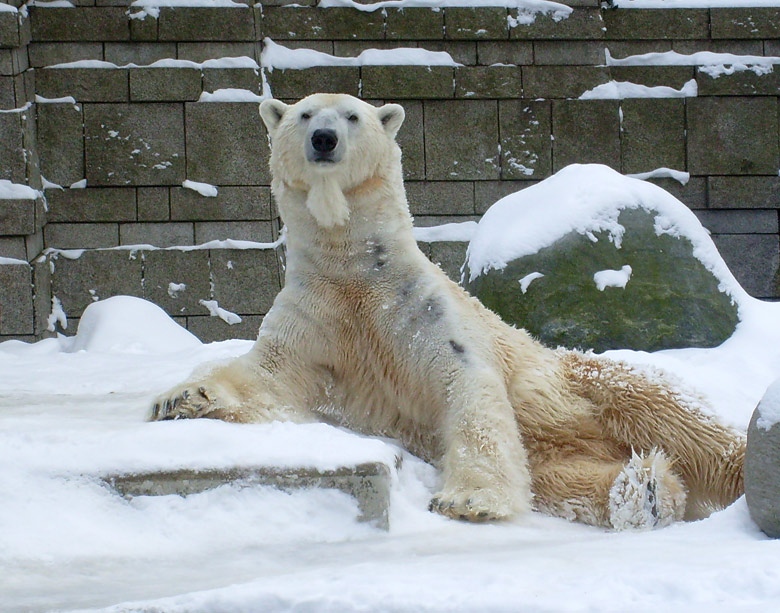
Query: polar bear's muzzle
point(323, 147)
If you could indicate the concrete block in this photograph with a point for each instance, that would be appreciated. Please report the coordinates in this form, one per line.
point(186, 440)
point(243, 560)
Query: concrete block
point(235, 78)
point(414, 24)
point(230, 204)
point(586, 131)
point(91, 204)
point(140, 144)
point(61, 142)
point(9, 29)
point(284, 23)
point(653, 76)
point(177, 280)
point(205, 50)
point(19, 60)
point(483, 23)
point(461, 51)
point(526, 148)
point(488, 82)
point(737, 47)
point(212, 329)
point(754, 259)
point(47, 54)
point(411, 140)
point(569, 52)
point(245, 280)
point(744, 83)
point(652, 134)
point(14, 164)
point(7, 93)
point(13, 247)
point(6, 62)
point(744, 192)
point(226, 144)
point(17, 216)
point(94, 275)
point(164, 84)
point(138, 53)
point(450, 257)
point(145, 30)
point(513, 52)
point(86, 24)
point(743, 221)
point(487, 193)
point(34, 244)
point(582, 24)
point(746, 22)
point(407, 82)
point(368, 483)
point(257, 231)
point(296, 84)
point(41, 296)
point(450, 156)
point(191, 23)
point(84, 84)
point(736, 135)
point(654, 24)
point(772, 47)
point(440, 197)
point(153, 204)
point(16, 303)
point(81, 235)
point(156, 234)
point(562, 81)
point(693, 194)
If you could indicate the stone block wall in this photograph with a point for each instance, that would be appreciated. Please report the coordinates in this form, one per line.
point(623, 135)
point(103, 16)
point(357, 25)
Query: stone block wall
point(107, 143)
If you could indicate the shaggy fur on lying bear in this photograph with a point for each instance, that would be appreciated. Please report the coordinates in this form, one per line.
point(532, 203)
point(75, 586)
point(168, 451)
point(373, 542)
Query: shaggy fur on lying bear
point(370, 334)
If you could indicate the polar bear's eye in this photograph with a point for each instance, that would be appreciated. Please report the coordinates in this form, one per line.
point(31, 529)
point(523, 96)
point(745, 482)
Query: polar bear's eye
point(352, 118)
point(305, 116)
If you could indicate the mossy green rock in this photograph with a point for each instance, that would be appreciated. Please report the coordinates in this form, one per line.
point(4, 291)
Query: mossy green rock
point(670, 301)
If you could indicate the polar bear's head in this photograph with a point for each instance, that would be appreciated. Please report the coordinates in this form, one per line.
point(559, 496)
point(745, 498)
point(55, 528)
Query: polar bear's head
point(329, 144)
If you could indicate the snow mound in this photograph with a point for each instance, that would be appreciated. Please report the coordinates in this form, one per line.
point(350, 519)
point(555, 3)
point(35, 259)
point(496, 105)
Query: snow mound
point(130, 325)
point(587, 199)
point(769, 407)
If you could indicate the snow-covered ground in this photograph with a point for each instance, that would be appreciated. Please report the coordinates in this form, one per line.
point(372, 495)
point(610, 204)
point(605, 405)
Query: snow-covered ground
point(72, 410)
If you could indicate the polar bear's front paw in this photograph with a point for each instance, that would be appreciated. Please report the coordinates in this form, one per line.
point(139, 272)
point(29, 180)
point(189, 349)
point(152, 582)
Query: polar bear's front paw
point(187, 402)
point(472, 505)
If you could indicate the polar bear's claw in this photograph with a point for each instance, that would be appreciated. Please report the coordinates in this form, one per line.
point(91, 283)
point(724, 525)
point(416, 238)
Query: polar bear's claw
point(475, 506)
point(187, 403)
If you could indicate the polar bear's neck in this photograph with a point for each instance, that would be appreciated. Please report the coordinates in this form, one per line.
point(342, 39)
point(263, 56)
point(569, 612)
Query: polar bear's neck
point(327, 203)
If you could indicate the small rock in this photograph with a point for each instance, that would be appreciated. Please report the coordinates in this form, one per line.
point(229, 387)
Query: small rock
point(762, 463)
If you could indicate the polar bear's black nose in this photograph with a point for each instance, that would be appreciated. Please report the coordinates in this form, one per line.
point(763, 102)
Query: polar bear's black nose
point(324, 140)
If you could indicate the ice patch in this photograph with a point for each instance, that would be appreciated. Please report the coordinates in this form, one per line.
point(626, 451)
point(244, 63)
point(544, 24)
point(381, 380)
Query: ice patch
point(17, 191)
point(663, 173)
point(204, 189)
point(612, 278)
point(230, 94)
point(78, 184)
point(175, 288)
point(57, 316)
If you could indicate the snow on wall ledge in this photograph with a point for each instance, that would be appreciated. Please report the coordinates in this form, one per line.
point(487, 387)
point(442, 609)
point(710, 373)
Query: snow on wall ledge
point(586, 198)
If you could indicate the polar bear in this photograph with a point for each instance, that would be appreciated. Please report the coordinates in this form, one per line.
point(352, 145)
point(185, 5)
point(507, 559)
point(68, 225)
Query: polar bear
point(369, 334)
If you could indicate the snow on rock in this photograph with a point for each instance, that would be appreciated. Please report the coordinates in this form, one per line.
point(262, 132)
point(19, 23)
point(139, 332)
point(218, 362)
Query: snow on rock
point(12, 262)
point(620, 90)
point(612, 278)
point(17, 191)
point(586, 198)
point(526, 281)
point(78, 184)
point(204, 189)
point(132, 325)
point(528, 7)
point(57, 316)
point(769, 408)
point(713, 64)
point(63, 100)
point(692, 4)
point(175, 288)
point(277, 56)
point(217, 311)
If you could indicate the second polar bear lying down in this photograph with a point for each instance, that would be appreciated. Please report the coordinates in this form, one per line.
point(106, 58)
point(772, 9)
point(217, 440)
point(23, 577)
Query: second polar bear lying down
point(368, 333)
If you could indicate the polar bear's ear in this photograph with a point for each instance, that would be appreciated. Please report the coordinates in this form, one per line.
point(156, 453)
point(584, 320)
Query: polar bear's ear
point(271, 112)
point(391, 116)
